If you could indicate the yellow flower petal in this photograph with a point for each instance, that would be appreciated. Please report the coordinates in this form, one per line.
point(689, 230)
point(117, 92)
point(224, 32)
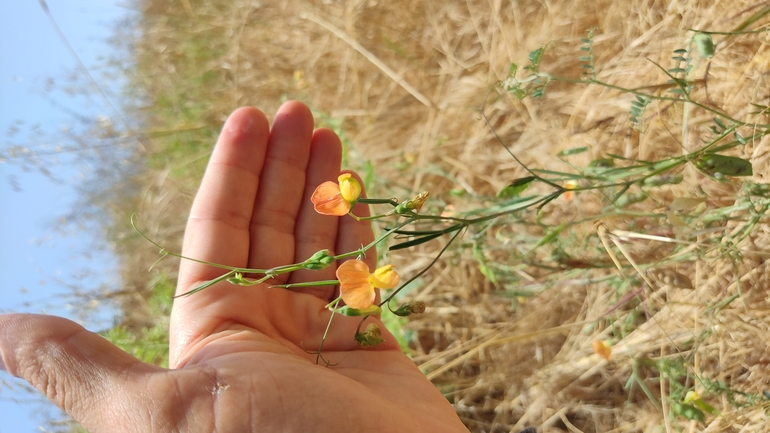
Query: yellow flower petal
point(384, 277)
point(327, 200)
point(355, 288)
point(350, 189)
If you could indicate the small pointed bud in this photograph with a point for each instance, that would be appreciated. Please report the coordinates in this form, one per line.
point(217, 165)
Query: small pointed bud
point(320, 260)
point(412, 205)
point(350, 189)
point(418, 200)
point(384, 277)
point(413, 307)
point(370, 338)
point(237, 279)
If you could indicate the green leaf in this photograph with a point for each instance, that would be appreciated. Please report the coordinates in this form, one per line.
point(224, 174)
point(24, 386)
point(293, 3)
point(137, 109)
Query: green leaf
point(550, 236)
point(449, 229)
point(516, 187)
point(705, 407)
point(712, 164)
point(602, 163)
point(481, 261)
point(413, 242)
point(535, 57)
point(688, 411)
point(512, 70)
point(561, 174)
point(572, 151)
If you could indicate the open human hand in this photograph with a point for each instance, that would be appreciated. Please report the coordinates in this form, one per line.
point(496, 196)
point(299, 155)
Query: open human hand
point(239, 355)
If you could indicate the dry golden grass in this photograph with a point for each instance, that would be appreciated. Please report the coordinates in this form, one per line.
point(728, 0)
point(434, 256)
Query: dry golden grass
point(403, 79)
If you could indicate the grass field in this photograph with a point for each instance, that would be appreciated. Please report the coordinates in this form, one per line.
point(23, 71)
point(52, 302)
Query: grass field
point(639, 145)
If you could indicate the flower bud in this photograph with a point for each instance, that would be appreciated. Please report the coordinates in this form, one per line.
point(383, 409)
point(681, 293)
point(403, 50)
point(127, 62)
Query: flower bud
point(350, 189)
point(602, 348)
point(320, 260)
point(370, 338)
point(412, 307)
point(418, 200)
point(412, 205)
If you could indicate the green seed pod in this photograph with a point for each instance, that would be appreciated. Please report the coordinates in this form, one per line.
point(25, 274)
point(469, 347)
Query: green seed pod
point(712, 163)
point(756, 188)
point(320, 260)
point(352, 312)
point(663, 179)
point(602, 163)
point(688, 411)
point(629, 199)
point(704, 44)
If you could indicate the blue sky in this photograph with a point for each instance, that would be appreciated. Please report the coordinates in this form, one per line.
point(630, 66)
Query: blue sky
point(37, 261)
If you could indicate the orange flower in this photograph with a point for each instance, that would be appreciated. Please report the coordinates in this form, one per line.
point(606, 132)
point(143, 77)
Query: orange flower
point(570, 185)
point(602, 348)
point(336, 198)
point(357, 284)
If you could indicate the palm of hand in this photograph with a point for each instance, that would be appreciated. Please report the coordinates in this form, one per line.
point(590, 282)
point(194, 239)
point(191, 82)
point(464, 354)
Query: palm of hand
point(240, 354)
point(367, 390)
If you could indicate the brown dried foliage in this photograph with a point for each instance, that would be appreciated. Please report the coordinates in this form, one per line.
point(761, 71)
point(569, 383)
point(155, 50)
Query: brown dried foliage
point(404, 78)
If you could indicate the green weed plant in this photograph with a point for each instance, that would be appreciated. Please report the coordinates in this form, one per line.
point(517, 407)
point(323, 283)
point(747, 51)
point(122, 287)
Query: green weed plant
point(632, 190)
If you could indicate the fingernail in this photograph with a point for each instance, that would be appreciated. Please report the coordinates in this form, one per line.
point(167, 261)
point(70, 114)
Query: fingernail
point(248, 125)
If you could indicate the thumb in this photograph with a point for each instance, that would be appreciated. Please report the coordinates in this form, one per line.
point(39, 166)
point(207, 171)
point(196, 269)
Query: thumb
point(78, 370)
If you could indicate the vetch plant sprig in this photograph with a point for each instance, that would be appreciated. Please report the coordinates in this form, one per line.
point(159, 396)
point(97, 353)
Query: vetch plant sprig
point(623, 181)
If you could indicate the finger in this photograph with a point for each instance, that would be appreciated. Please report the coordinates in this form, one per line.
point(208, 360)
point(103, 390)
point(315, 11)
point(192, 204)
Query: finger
point(283, 183)
point(218, 227)
point(315, 232)
point(77, 370)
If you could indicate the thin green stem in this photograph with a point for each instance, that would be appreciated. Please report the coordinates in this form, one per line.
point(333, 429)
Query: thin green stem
point(333, 305)
point(370, 217)
point(308, 284)
point(390, 201)
point(646, 95)
point(361, 251)
point(424, 270)
point(208, 284)
point(170, 253)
